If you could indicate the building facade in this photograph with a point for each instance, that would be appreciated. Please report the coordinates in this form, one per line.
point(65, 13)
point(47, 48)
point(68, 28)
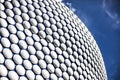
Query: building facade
point(44, 40)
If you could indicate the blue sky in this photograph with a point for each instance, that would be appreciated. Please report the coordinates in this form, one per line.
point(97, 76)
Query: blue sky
point(102, 17)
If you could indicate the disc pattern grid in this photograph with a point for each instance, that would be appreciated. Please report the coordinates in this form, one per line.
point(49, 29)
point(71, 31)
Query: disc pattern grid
point(43, 39)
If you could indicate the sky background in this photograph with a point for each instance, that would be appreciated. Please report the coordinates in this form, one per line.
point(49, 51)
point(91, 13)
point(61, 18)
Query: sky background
point(102, 17)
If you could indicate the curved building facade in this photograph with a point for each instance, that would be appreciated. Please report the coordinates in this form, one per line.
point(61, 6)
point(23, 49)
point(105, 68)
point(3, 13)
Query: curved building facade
point(44, 40)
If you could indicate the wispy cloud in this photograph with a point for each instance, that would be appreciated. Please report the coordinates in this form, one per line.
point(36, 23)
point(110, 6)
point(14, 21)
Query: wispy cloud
point(107, 5)
point(70, 6)
point(111, 15)
point(109, 9)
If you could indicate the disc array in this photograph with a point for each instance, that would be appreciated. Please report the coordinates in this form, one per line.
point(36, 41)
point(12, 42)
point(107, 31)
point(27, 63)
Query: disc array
point(44, 40)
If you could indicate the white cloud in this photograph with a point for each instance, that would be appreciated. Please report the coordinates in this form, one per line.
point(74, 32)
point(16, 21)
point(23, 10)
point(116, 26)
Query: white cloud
point(111, 15)
point(118, 21)
point(106, 6)
point(109, 10)
point(70, 6)
point(73, 9)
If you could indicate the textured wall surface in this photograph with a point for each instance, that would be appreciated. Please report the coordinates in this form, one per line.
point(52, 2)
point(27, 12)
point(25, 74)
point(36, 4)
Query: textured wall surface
point(43, 39)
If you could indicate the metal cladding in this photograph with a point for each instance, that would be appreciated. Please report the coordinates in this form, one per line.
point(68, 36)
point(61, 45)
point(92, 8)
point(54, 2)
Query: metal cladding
point(43, 39)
